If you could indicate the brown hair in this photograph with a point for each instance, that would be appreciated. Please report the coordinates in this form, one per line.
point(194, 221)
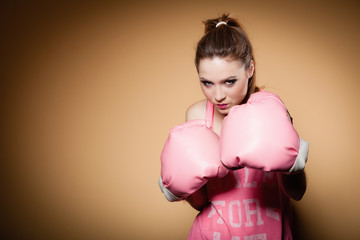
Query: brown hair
point(226, 40)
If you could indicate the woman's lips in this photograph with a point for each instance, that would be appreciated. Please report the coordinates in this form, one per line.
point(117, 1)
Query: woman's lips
point(222, 106)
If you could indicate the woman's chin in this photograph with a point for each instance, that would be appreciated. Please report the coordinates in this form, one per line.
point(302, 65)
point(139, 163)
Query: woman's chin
point(224, 112)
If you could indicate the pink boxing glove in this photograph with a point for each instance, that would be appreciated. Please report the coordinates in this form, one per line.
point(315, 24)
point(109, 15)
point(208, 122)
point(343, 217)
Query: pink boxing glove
point(190, 157)
point(260, 135)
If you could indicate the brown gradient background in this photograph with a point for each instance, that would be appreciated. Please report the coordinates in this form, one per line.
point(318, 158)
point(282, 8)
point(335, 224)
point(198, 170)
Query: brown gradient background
point(90, 90)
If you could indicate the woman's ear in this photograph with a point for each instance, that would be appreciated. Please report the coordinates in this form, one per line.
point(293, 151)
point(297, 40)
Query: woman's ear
point(251, 69)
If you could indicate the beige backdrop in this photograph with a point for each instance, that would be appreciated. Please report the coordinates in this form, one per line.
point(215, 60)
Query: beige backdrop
point(89, 92)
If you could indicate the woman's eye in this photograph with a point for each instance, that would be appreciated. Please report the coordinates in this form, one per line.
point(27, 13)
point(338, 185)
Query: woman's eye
point(206, 83)
point(230, 82)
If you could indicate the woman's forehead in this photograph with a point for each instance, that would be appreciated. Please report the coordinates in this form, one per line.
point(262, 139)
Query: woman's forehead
point(219, 64)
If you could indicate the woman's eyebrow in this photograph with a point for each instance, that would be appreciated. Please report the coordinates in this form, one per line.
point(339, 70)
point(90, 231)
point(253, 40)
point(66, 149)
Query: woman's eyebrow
point(223, 80)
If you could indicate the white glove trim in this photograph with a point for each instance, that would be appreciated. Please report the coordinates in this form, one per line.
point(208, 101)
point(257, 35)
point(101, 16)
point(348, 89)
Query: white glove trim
point(169, 195)
point(302, 156)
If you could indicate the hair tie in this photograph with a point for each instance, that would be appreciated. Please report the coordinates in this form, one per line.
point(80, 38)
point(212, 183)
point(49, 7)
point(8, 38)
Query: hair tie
point(220, 23)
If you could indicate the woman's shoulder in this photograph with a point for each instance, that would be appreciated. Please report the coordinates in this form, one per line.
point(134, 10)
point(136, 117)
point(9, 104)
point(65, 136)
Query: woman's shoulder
point(196, 110)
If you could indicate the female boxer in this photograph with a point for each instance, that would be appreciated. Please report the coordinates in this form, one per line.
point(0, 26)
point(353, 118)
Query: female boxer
point(238, 158)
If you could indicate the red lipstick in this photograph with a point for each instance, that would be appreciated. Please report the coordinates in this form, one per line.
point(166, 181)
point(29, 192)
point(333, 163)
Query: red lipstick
point(222, 106)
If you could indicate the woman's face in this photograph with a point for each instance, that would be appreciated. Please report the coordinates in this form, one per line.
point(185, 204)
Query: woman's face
point(224, 82)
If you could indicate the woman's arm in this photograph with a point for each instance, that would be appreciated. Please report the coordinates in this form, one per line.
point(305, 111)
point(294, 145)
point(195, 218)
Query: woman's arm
point(198, 199)
point(294, 184)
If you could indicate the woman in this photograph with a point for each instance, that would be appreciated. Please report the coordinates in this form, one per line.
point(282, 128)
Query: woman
point(247, 203)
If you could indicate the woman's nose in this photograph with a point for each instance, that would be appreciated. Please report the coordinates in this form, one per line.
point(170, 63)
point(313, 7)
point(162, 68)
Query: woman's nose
point(219, 94)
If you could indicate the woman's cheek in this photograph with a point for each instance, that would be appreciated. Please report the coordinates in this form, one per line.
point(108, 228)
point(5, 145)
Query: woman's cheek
point(207, 93)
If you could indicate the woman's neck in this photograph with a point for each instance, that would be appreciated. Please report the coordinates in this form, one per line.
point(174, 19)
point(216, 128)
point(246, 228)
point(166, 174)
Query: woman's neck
point(217, 121)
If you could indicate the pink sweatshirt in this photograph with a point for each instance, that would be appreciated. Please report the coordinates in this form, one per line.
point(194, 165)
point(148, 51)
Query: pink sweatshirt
point(247, 204)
